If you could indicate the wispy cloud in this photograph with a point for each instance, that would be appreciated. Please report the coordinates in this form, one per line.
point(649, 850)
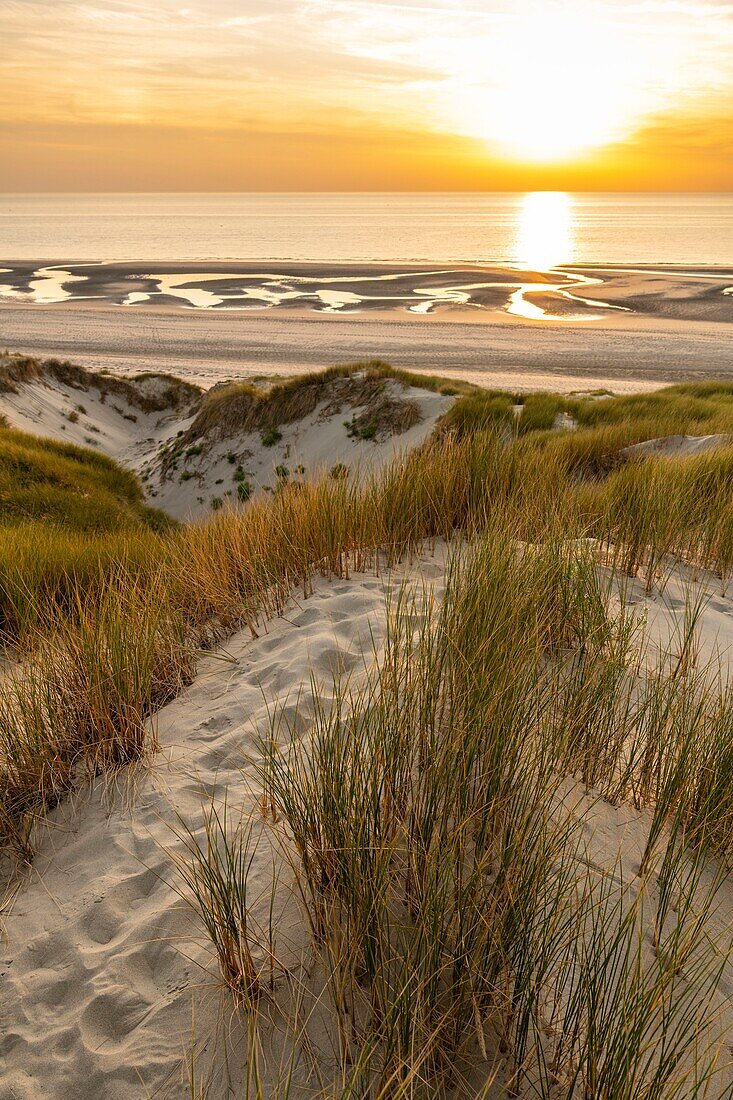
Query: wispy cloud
point(483, 70)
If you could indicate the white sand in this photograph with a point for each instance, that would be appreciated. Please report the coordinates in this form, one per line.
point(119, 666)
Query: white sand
point(101, 965)
point(308, 447)
point(100, 961)
point(111, 425)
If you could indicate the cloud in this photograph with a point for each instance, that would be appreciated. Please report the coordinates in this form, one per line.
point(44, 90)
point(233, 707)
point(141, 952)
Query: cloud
point(488, 70)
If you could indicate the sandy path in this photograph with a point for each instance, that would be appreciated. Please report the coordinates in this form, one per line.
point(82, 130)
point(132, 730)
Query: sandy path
point(100, 962)
point(627, 352)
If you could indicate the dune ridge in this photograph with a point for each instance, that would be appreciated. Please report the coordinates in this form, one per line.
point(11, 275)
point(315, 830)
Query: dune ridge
point(517, 595)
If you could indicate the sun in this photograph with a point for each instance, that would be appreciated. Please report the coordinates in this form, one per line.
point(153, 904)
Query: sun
point(559, 82)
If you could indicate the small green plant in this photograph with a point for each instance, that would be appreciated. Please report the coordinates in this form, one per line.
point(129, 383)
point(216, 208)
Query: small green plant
point(195, 450)
point(282, 473)
point(339, 472)
point(366, 430)
point(72, 417)
point(270, 437)
point(216, 504)
point(244, 491)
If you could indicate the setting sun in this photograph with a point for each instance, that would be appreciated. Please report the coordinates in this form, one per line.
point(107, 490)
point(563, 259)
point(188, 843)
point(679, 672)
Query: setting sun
point(545, 230)
point(552, 84)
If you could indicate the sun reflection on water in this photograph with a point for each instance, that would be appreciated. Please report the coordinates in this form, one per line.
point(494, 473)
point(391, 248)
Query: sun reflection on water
point(545, 230)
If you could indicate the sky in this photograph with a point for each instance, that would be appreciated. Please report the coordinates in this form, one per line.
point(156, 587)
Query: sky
point(298, 95)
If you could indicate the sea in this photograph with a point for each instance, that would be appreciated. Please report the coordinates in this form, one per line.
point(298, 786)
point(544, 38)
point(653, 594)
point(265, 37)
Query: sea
point(538, 229)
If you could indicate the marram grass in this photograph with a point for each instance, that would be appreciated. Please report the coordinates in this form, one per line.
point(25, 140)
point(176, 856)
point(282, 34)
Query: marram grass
point(471, 939)
point(447, 883)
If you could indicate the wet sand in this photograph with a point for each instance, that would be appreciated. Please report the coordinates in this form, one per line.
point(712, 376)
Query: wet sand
point(579, 293)
point(621, 327)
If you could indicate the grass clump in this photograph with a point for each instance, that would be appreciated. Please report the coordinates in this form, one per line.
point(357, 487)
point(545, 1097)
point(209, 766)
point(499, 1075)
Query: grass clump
point(383, 418)
point(213, 878)
point(449, 885)
point(481, 411)
point(270, 437)
point(83, 703)
point(540, 412)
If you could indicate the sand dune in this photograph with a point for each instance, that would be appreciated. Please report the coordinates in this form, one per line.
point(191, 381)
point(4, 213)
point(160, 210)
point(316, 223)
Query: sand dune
point(102, 962)
point(186, 475)
point(103, 966)
point(108, 986)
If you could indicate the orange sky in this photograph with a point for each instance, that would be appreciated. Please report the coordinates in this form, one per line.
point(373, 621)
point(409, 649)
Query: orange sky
point(366, 94)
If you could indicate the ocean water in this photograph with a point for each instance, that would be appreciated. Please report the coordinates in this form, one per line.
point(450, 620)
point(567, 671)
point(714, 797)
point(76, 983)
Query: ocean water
point(537, 229)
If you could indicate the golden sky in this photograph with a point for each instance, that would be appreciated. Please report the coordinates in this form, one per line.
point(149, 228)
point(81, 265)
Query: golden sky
point(292, 95)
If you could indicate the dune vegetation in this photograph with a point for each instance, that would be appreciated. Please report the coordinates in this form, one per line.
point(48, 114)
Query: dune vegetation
point(68, 486)
point(436, 813)
point(244, 407)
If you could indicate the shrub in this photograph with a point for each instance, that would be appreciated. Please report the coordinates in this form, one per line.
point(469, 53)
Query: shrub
point(270, 437)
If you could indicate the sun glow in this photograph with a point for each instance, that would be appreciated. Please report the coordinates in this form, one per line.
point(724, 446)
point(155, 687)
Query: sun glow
point(366, 94)
point(563, 82)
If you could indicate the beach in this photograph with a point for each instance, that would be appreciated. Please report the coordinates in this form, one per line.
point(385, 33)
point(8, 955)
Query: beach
point(629, 329)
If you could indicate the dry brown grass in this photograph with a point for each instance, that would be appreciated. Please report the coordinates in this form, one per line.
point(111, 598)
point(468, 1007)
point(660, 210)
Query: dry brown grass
point(240, 407)
point(169, 392)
